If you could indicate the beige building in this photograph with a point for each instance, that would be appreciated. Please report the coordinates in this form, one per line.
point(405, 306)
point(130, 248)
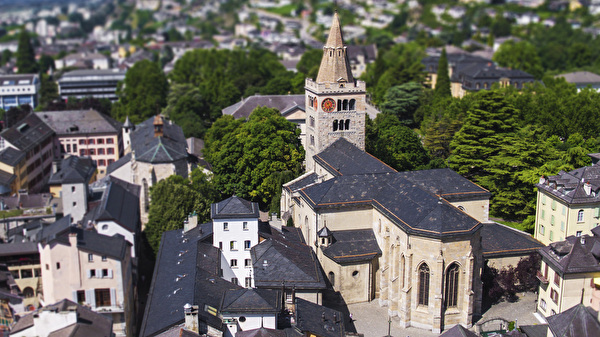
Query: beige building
point(568, 203)
point(92, 269)
point(570, 274)
point(86, 133)
point(410, 240)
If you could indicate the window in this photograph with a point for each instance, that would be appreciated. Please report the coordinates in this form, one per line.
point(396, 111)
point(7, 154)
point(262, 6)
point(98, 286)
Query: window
point(37, 272)
point(335, 125)
point(232, 245)
point(106, 273)
point(91, 141)
point(26, 273)
point(68, 147)
point(543, 214)
point(82, 152)
point(580, 216)
point(543, 199)
point(91, 257)
point(57, 265)
point(247, 245)
point(80, 296)
point(424, 284)
point(554, 295)
point(28, 292)
point(47, 267)
point(352, 104)
point(562, 226)
point(110, 150)
point(564, 210)
point(552, 220)
point(288, 298)
point(542, 229)
point(110, 161)
point(110, 141)
point(225, 226)
point(72, 188)
point(546, 272)
point(101, 162)
point(15, 274)
point(331, 277)
point(100, 140)
point(312, 140)
point(100, 151)
point(220, 245)
point(104, 258)
point(578, 234)
point(311, 121)
point(452, 285)
point(553, 204)
point(92, 152)
point(102, 297)
point(74, 203)
point(82, 142)
point(75, 148)
point(248, 282)
point(247, 263)
point(543, 305)
point(91, 273)
point(233, 263)
point(551, 236)
point(245, 226)
point(556, 279)
point(234, 280)
point(347, 124)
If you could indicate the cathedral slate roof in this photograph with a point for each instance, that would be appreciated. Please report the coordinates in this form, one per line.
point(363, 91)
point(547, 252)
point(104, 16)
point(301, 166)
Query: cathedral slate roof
point(352, 246)
point(344, 158)
point(168, 148)
point(446, 183)
point(234, 207)
point(407, 204)
point(500, 240)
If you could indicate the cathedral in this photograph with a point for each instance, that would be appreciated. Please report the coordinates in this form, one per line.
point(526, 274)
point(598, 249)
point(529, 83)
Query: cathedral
point(409, 240)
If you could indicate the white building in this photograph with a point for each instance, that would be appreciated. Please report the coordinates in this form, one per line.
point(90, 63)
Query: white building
point(16, 90)
point(235, 232)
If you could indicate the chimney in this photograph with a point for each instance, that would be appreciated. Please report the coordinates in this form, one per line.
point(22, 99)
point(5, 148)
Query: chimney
point(191, 222)
point(55, 166)
point(73, 239)
point(275, 222)
point(158, 126)
point(191, 317)
point(587, 187)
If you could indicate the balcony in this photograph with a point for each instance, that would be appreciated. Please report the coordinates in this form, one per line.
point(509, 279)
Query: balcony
point(541, 277)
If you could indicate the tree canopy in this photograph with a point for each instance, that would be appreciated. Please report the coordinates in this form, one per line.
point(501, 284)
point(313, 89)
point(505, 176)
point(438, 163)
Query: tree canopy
point(26, 55)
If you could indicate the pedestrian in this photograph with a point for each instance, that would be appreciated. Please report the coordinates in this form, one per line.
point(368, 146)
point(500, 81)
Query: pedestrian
point(351, 320)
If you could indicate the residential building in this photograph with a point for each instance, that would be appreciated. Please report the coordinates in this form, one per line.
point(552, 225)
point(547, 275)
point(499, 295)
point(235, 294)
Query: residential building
point(70, 184)
point(568, 203)
point(157, 150)
point(16, 90)
point(23, 261)
point(64, 318)
point(97, 83)
point(86, 133)
point(582, 79)
point(248, 309)
point(235, 232)
point(91, 268)
point(360, 57)
point(33, 139)
point(11, 300)
point(84, 61)
point(13, 171)
point(570, 274)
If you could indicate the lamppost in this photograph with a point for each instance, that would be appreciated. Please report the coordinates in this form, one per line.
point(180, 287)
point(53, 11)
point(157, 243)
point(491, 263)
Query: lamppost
point(389, 327)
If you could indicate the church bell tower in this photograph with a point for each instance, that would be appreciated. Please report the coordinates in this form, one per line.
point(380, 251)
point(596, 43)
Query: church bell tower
point(335, 101)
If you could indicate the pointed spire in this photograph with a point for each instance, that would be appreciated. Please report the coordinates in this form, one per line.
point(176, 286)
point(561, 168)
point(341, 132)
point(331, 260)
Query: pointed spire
point(128, 123)
point(335, 66)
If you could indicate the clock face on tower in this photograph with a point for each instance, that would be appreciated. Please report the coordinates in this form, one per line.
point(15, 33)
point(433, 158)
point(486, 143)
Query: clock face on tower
point(328, 105)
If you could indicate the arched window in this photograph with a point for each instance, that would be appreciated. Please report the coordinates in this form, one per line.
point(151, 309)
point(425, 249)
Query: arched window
point(402, 273)
point(452, 285)
point(341, 124)
point(28, 292)
point(352, 104)
point(339, 105)
point(424, 284)
point(580, 216)
point(347, 126)
point(146, 196)
point(306, 221)
point(345, 105)
point(331, 277)
point(335, 125)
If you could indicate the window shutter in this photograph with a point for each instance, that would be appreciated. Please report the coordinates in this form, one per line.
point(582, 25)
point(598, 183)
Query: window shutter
point(597, 213)
point(99, 273)
point(75, 296)
point(89, 272)
point(90, 297)
point(113, 297)
point(110, 275)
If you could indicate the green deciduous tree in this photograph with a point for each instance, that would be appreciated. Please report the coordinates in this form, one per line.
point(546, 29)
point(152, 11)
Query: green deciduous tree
point(143, 93)
point(26, 55)
point(245, 155)
point(173, 199)
point(187, 108)
point(520, 55)
point(402, 101)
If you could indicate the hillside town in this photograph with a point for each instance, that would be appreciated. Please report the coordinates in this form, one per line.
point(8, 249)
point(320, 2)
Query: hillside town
point(299, 168)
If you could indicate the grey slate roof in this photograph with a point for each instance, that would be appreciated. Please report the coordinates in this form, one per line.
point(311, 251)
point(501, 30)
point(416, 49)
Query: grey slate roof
point(581, 77)
point(498, 240)
point(16, 78)
point(120, 203)
point(246, 301)
point(279, 259)
point(261, 332)
point(306, 179)
point(28, 133)
point(283, 103)
point(5, 180)
point(309, 318)
point(74, 170)
point(117, 164)
point(11, 156)
point(573, 255)
point(352, 246)
point(405, 203)
point(570, 186)
point(446, 183)
point(234, 207)
point(18, 248)
point(574, 322)
point(79, 122)
point(92, 242)
point(89, 323)
point(180, 278)
point(539, 330)
point(343, 158)
point(55, 229)
point(162, 149)
point(458, 331)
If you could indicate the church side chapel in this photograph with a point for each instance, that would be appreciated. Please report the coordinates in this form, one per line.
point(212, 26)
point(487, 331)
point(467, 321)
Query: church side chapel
point(409, 240)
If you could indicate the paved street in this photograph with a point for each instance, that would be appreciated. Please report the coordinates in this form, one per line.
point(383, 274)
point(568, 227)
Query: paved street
point(372, 320)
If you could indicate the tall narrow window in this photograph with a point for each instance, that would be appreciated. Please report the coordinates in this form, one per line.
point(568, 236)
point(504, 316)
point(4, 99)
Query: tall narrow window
point(341, 124)
point(345, 105)
point(424, 284)
point(146, 196)
point(339, 105)
point(335, 125)
point(402, 274)
point(580, 216)
point(347, 126)
point(331, 277)
point(452, 285)
point(352, 104)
